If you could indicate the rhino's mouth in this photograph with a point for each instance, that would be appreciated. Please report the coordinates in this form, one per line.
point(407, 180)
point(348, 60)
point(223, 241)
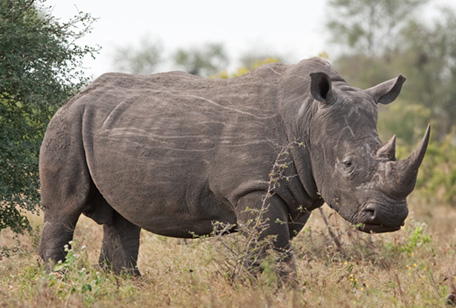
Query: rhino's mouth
point(380, 217)
point(373, 228)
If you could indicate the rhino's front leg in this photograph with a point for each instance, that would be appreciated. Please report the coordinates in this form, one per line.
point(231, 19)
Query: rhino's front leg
point(274, 214)
point(120, 248)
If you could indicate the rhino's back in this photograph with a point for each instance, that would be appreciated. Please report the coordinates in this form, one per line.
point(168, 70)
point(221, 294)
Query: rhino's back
point(178, 141)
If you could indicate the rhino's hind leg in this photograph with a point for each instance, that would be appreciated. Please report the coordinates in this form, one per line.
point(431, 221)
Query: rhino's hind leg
point(61, 213)
point(119, 251)
point(64, 193)
point(56, 234)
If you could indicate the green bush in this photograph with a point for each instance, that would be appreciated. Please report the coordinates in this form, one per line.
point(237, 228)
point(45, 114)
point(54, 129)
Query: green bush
point(20, 138)
point(39, 70)
point(437, 176)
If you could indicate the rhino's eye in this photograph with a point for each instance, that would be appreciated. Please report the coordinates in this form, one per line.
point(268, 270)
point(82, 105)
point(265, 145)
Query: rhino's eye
point(347, 163)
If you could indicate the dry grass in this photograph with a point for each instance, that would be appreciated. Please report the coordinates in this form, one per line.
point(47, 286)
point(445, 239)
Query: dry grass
point(409, 268)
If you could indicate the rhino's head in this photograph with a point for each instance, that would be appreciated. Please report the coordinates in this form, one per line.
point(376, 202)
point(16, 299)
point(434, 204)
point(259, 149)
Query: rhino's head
point(355, 173)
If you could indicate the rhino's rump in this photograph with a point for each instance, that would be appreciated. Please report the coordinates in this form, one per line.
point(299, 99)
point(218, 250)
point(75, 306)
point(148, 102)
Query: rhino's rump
point(157, 152)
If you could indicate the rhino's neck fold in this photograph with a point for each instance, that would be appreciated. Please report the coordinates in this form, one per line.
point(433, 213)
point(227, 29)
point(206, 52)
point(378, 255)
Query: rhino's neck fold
point(309, 197)
point(297, 109)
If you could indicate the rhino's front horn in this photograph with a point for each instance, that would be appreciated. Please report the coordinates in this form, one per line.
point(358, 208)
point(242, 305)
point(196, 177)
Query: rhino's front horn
point(406, 170)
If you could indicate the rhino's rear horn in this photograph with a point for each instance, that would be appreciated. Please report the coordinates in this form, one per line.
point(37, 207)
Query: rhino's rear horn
point(388, 150)
point(407, 169)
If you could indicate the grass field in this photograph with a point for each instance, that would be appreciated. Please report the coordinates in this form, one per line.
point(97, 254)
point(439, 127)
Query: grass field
point(414, 267)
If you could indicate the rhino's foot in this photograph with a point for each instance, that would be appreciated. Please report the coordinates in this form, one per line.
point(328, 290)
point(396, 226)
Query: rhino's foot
point(275, 238)
point(118, 268)
point(55, 242)
point(119, 252)
point(286, 273)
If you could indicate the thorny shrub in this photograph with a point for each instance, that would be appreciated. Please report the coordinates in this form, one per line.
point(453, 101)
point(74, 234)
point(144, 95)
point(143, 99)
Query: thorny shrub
point(247, 255)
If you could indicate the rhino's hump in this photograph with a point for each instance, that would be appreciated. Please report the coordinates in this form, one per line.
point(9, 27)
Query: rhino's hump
point(178, 105)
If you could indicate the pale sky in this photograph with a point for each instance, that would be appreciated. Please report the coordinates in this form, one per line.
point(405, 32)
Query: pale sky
point(294, 28)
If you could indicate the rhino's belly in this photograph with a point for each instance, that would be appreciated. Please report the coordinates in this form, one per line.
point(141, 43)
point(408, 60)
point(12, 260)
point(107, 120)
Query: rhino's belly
point(177, 208)
point(169, 211)
point(165, 191)
point(185, 227)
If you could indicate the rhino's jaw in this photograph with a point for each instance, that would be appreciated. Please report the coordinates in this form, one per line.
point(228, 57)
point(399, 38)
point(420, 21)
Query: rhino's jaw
point(380, 218)
point(373, 228)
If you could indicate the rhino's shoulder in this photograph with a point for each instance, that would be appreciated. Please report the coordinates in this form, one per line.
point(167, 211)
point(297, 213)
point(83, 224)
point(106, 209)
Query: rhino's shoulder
point(307, 66)
point(270, 71)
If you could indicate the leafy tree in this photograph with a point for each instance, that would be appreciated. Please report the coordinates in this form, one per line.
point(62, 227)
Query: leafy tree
point(242, 70)
point(205, 61)
point(437, 177)
point(423, 52)
point(369, 26)
point(39, 70)
point(428, 57)
point(141, 60)
point(255, 58)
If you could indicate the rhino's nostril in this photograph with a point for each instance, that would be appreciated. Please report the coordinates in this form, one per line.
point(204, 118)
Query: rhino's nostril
point(370, 214)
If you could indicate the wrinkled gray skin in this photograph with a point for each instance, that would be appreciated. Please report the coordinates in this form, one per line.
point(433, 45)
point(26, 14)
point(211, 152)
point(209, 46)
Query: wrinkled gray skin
point(171, 153)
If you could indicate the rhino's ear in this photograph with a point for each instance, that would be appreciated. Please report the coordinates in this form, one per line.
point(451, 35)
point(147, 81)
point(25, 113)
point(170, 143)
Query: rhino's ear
point(321, 87)
point(387, 91)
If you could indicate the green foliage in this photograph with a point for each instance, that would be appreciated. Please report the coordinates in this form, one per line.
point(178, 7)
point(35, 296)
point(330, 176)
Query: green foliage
point(76, 278)
point(368, 26)
point(39, 69)
point(255, 58)
point(428, 58)
point(141, 60)
point(251, 254)
point(374, 272)
point(241, 257)
point(245, 69)
point(72, 277)
point(407, 121)
point(416, 239)
point(40, 58)
point(400, 43)
point(437, 176)
point(207, 60)
point(203, 61)
point(20, 137)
